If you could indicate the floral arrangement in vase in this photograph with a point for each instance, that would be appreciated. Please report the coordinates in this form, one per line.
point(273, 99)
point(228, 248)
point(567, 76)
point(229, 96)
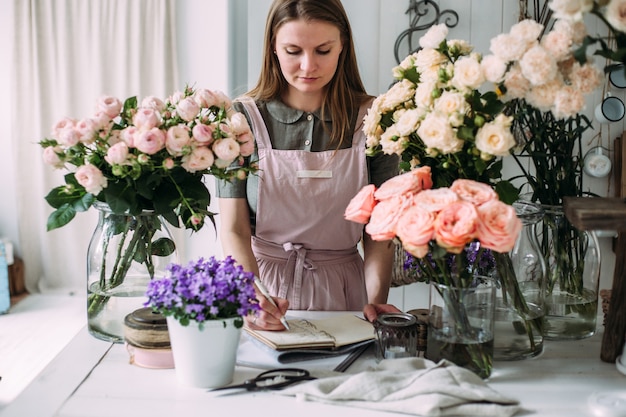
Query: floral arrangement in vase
point(141, 163)
point(439, 226)
point(204, 289)
point(435, 115)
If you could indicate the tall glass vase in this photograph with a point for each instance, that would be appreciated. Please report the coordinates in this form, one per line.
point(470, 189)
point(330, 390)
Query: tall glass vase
point(520, 309)
point(573, 276)
point(461, 326)
point(125, 253)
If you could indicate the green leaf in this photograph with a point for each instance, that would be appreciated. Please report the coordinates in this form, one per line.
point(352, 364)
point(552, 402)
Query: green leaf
point(507, 193)
point(60, 217)
point(466, 133)
point(163, 247)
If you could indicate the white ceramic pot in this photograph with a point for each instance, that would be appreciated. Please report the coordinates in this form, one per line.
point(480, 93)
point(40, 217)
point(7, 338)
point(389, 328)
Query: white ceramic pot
point(204, 358)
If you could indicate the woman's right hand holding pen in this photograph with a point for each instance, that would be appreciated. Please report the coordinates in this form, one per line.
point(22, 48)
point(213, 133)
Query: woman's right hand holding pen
point(271, 315)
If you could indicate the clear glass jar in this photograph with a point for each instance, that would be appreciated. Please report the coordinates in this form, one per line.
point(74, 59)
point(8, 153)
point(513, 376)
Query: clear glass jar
point(520, 309)
point(125, 253)
point(573, 276)
point(396, 336)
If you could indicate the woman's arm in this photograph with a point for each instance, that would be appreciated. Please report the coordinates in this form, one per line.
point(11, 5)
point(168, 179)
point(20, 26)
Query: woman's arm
point(236, 238)
point(378, 258)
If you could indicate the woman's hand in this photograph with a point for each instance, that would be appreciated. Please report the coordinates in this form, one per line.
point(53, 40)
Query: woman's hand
point(371, 311)
point(268, 318)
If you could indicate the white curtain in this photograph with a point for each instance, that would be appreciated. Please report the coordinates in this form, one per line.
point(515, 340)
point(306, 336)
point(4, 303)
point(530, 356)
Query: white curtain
point(67, 54)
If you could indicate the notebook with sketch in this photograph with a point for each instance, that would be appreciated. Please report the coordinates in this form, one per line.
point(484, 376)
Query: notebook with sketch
point(330, 333)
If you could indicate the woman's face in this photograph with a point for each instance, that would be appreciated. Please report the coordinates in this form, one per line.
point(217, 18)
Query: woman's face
point(308, 53)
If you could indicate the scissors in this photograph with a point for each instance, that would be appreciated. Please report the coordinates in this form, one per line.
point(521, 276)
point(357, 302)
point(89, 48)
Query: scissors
point(274, 379)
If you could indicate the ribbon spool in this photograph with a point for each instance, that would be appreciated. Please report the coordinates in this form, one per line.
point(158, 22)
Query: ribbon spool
point(147, 339)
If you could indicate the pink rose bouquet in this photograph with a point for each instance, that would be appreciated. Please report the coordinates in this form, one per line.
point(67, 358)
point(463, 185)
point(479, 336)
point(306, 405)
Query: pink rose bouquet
point(437, 224)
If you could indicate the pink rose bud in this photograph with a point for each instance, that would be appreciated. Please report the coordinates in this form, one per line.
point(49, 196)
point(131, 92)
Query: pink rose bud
point(205, 98)
point(117, 154)
point(51, 156)
point(91, 178)
point(168, 163)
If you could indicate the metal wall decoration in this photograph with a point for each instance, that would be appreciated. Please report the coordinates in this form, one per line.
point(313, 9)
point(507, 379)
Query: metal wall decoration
point(422, 15)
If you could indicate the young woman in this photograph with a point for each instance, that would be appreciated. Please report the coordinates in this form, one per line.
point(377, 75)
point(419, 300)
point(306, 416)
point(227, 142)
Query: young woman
point(286, 223)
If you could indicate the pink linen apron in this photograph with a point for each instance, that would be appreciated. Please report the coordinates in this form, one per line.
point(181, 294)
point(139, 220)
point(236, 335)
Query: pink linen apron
point(305, 249)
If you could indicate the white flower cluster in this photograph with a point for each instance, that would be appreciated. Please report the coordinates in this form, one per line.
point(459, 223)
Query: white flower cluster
point(544, 72)
point(432, 100)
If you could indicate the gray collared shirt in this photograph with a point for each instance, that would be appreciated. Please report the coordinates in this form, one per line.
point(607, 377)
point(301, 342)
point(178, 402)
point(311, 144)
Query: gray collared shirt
point(291, 129)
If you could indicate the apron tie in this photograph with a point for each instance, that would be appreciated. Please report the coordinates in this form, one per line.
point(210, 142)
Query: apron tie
point(296, 263)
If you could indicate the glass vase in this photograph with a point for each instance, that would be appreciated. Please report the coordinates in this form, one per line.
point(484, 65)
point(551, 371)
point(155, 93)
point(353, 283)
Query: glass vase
point(125, 253)
point(461, 325)
point(572, 278)
point(520, 309)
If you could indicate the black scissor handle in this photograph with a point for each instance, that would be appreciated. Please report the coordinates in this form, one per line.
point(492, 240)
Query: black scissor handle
point(297, 375)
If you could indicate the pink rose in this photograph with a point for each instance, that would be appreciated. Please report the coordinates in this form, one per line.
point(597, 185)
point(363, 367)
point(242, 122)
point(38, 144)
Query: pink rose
point(51, 156)
point(91, 178)
point(150, 141)
point(360, 207)
point(239, 124)
point(152, 102)
point(61, 125)
point(203, 133)
point(146, 118)
point(68, 137)
point(176, 139)
point(415, 228)
point(382, 224)
point(128, 135)
point(456, 225)
point(168, 163)
point(199, 159)
point(86, 130)
point(226, 150)
point(117, 154)
point(246, 144)
point(111, 106)
point(436, 199)
point(409, 183)
point(474, 192)
point(102, 120)
point(187, 109)
point(205, 98)
point(176, 97)
point(499, 226)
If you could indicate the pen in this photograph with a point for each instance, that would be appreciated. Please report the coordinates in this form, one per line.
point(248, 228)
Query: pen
point(267, 295)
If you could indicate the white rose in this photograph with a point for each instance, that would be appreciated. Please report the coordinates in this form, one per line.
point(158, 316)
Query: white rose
point(542, 97)
point(507, 48)
point(495, 138)
point(451, 102)
point(494, 68)
point(558, 44)
point(527, 30)
point(615, 14)
point(392, 142)
point(435, 35)
point(424, 94)
point(428, 58)
point(586, 78)
point(436, 132)
point(570, 9)
point(371, 122)
point(468, 74)
point(517, 86)
point(408, 122)
point(568, 102)
point(538, 66)
point(398, 94)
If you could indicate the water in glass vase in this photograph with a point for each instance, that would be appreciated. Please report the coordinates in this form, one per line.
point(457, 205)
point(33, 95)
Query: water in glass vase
point(518, 337)
point(472, 354)
point(106, 310)
point(569, 316)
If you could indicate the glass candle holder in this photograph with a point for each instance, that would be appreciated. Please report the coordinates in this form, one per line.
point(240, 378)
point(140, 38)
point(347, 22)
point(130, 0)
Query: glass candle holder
point(396, 336)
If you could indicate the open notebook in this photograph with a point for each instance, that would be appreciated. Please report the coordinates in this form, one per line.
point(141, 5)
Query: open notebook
point(330, 333)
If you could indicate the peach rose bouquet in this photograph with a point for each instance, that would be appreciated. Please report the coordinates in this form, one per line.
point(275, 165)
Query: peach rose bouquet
point(444, 228)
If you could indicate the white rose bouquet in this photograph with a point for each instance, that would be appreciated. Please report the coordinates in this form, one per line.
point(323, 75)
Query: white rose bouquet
point(436, 116)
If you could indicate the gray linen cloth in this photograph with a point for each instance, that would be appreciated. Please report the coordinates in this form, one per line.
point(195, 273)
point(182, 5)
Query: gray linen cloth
point(414, 386)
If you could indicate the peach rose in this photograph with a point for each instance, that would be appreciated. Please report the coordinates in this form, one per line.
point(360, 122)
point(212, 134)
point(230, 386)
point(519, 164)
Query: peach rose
point(498, 226)
point(408, 183)
point(474, 192)
point(415, 228)
point(456, 225)
point(435, 200)
point(382, 225)
point(360, 207)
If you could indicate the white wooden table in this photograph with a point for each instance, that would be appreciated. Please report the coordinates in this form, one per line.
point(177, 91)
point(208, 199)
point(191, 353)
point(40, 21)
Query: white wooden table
point(92, 378)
